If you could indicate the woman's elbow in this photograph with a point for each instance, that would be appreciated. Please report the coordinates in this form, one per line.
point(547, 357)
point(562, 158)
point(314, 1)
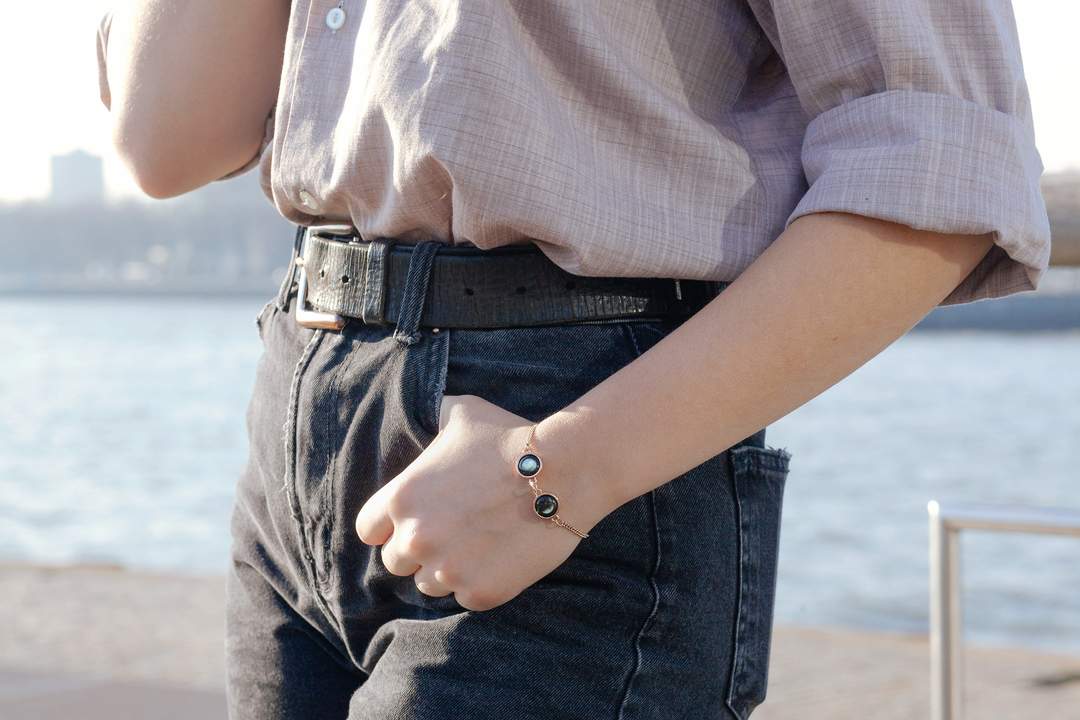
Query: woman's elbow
point(166, 162)
point(152, 161)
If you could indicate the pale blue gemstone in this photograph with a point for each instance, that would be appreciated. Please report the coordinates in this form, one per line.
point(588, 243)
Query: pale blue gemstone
point(528, 465)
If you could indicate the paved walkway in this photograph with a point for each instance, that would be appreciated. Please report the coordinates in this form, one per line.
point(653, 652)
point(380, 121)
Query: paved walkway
point(35, 696)
point(95, 642)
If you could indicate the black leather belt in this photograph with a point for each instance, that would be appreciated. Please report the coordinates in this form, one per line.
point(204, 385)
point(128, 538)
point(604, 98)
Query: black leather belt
point(342, 276)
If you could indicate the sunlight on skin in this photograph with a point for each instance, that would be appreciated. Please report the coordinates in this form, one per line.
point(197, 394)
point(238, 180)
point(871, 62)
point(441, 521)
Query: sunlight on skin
point(829, 294)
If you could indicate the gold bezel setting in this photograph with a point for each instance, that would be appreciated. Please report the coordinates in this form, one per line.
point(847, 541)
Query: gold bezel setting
point(545, 504)
point(526, 458)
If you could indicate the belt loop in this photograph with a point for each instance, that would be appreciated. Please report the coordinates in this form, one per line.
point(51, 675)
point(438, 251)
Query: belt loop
point(415, 292)
point(373, 301)
point(290, 271)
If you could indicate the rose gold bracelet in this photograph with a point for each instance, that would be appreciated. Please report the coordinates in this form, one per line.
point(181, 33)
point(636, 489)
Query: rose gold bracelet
point(545, 505)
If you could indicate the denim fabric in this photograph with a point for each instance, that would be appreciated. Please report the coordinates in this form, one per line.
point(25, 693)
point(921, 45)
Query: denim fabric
point(665, 611)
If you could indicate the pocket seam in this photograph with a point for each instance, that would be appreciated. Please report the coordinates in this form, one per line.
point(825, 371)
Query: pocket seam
point(773, 463)
point(262, 316)
point(766, 459)
point(440, 356)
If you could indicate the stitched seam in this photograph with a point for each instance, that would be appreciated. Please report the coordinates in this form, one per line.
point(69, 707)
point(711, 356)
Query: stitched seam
point(442, 362)
point(652, 613)
point(259, 319)
point(287, 429)
point(282, 297)
point(736, 669)
point(375, 260)
point(330, 481)
point(417, 284)
point(367, 296)
point(629, 330)
point(633, 340)
point(291, 429)
point(292, 606)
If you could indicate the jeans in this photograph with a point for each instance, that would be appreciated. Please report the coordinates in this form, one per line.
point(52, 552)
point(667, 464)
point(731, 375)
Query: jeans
point(665, 611)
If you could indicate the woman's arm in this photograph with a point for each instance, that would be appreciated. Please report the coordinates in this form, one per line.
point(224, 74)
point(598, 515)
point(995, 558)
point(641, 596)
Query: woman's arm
point(919, 154)
point(189, 86)
point(831, 292)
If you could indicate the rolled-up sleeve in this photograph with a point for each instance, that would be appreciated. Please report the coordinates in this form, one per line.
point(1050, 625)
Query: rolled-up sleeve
point(103, 28)
point(102, 64)
point(919, 114)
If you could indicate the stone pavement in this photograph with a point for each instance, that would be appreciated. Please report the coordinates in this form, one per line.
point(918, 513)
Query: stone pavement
point(100, 642)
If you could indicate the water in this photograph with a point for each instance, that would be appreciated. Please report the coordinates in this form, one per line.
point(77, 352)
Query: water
point(964, 417)
point(122, 433)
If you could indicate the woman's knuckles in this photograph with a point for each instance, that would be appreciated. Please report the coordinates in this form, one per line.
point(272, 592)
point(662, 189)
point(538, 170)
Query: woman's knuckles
point(417, 543)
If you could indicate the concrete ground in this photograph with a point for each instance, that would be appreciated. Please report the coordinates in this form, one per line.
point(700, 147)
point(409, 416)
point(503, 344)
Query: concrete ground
point(100, 642)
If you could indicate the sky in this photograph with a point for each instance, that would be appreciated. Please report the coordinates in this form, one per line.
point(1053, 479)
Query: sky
point(52, 104)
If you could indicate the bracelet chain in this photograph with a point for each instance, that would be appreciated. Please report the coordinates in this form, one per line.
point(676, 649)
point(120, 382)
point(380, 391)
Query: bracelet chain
point(537, 492)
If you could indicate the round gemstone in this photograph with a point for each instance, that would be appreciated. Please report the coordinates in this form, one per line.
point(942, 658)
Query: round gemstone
point(546, 505)
point(528, 465)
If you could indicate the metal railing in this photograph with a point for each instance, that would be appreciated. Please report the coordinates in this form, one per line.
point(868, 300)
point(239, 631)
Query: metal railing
point(946, 637)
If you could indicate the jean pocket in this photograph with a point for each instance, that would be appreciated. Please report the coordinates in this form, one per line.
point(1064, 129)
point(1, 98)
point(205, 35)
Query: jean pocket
point(427, 366)
point(759, 476)
point(531, 371)
point(263, 316)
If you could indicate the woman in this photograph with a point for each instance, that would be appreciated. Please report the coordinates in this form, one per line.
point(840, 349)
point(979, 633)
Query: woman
point(580, 256)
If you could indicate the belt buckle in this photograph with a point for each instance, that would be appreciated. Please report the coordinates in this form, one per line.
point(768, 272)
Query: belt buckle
point(305, 317)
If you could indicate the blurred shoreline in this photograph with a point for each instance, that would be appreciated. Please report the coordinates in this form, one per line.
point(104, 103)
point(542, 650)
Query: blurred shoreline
point(1054, 307)
point(102, 638)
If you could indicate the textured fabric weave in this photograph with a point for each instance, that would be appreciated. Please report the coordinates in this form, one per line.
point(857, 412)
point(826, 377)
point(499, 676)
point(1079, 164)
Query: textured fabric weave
point(633, 625)
point(674, 138)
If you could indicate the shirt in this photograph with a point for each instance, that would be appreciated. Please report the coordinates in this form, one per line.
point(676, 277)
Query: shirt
point(672, 138)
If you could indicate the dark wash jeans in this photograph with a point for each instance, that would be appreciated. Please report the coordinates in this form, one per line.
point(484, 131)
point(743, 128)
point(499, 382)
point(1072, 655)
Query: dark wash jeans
point(665, 611)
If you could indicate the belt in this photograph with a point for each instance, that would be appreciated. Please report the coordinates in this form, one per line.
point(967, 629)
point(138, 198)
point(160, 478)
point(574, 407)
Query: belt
point(342, 276)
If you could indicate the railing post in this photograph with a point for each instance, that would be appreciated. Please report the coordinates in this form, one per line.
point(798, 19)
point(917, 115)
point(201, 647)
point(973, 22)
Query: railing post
point(946, 641)
point(946, 650)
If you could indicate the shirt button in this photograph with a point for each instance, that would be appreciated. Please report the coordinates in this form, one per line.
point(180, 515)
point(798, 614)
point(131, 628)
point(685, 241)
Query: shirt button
point(335, 18)
point(307, 200)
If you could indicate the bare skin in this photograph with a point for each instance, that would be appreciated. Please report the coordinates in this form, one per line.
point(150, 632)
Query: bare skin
point(191, 84)
point(830, 293)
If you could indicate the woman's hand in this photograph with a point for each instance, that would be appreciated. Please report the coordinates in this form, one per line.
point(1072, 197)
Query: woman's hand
point(461, 519)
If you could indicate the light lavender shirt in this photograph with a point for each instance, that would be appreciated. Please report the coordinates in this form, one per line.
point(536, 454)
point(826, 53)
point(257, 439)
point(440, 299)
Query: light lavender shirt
point(672, 138)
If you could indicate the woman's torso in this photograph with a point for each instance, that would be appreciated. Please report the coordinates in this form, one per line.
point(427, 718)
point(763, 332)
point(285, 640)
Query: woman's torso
point(633, 139)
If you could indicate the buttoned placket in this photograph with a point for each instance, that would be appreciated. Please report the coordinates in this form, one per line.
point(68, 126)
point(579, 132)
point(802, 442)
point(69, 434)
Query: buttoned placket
point(335, 20)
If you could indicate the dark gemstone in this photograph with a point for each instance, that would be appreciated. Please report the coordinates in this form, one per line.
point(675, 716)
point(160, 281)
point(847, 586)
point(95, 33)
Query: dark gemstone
point(528, 465)
point(546, 505)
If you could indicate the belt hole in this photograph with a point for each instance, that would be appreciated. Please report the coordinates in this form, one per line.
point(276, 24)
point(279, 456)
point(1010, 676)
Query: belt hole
point(322, 273)
point(344, 279)
point(520, 290)
point(468, 291)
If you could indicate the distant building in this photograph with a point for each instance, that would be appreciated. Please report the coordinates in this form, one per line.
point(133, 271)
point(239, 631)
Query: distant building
point(77, 178)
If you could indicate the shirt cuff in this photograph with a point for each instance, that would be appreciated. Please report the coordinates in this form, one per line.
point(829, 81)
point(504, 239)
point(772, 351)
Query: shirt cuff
point(940, 163)
point(102, 51)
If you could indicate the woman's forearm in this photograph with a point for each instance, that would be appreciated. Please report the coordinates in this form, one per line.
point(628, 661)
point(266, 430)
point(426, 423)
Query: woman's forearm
point(829, 293)
point(191, 83)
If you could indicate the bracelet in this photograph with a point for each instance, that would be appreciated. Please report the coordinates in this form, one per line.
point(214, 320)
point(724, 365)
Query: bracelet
point(545, 505)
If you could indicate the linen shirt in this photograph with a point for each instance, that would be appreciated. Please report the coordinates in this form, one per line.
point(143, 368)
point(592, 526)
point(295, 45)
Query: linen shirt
point(672, 138)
